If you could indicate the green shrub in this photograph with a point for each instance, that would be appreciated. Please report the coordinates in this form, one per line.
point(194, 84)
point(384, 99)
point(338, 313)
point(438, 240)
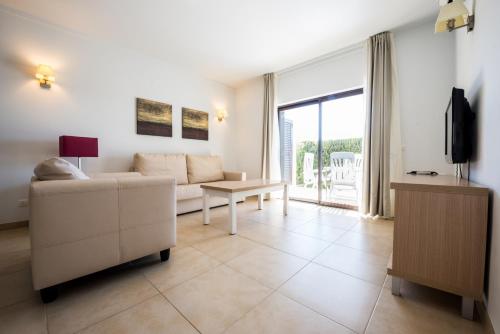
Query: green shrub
point(329, 146)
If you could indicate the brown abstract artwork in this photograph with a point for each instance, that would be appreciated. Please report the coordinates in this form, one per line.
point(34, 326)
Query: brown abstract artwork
point(154, 118)
point(194, 124)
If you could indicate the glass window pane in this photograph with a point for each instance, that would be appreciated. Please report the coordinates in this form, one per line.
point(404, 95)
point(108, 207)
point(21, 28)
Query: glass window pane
point(299, 149)
point(342, 135)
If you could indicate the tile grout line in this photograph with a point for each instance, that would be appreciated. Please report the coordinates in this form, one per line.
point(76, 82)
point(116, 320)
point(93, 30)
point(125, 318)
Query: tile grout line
point(283, 251)
point(300, 303)
point(179, 311)
point(165, 297)
point(315, 238)
point(221, 263)
point(189, 279)
point(172, 304)
point(140, 274)
point(275, 290)
point(114, 314)
point(307, 264)
point(235, 270)
point(375, 306)
point(316, 312)
point(252, 308)
point(350, 275)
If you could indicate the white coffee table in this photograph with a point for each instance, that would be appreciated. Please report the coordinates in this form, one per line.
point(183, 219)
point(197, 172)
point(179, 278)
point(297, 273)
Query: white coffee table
point(236, 191)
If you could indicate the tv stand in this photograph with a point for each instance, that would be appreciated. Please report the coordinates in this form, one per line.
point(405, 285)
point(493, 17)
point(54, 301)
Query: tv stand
point(440, 231)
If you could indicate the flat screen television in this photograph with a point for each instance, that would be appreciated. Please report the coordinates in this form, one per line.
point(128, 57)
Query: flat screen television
point(458, 128)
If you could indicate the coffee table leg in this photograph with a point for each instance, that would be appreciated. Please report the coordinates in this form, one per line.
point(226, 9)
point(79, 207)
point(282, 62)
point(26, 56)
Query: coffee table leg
point(260, 201)
point(232, 214)
point(206, 208)
point(285, 199)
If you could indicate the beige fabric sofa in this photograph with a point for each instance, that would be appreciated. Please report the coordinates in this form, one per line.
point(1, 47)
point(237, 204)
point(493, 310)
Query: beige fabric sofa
point(80, 227)
point(189, 171)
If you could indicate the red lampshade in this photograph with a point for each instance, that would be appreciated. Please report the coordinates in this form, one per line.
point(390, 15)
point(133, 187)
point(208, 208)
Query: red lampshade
point(70, 146)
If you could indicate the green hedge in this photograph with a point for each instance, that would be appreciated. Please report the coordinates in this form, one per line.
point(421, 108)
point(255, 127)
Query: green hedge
point(329, 146)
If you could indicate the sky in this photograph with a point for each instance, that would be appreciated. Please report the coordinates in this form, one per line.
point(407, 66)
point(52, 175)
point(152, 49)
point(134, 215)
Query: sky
point(342, 118)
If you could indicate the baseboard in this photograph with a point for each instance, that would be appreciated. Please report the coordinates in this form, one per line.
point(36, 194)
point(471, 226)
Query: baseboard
point(10, 226)
point(485, 318)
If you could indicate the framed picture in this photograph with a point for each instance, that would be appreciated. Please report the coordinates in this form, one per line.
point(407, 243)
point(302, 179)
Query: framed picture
point(194, 124)
point(154, 118)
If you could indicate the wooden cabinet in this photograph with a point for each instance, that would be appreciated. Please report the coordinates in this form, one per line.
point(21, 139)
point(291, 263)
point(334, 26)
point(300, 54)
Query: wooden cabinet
point(440, 235)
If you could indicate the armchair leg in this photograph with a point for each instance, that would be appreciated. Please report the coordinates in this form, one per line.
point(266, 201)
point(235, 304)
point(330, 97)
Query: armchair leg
point(49, 294)
point(164, 255)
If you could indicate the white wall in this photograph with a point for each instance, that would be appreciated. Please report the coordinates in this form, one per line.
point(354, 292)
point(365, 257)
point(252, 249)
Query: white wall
point(94, 95)
point(426, 66)
point(339, 71)
point(478, 72)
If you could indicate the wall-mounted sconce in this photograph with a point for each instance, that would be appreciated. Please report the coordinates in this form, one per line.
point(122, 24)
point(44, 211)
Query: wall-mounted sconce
point(221, 114)
point(45, 76)
point(454, 15)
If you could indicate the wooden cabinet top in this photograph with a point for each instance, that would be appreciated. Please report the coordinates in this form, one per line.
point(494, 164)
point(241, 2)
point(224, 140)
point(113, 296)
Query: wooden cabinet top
point(438, 183)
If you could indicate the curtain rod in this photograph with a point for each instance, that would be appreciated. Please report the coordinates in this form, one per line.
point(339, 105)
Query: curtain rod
point(323, 58)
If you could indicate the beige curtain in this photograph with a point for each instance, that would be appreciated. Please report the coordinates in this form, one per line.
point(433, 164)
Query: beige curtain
point(269, 126)
point(381, 97)
point(270, 135)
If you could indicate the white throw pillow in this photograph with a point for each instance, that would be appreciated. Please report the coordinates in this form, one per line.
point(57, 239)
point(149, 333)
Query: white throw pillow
point(58, 169)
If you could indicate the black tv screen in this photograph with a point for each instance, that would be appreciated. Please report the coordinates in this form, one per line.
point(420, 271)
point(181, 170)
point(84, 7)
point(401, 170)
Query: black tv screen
point(458, 128)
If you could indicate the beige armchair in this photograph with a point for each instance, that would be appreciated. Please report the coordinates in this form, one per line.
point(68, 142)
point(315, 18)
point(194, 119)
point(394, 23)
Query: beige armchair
point(79, 227)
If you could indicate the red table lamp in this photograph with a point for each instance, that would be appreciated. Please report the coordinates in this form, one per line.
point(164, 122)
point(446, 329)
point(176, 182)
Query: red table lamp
point(80, 147)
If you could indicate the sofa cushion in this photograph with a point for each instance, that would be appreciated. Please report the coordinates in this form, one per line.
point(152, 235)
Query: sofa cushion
point(58, 169)
point(188, 191)
point(113, 175)
point(162, 164)
point(204, 168)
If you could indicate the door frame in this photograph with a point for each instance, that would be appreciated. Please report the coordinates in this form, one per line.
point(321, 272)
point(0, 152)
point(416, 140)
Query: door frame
point(319, 101)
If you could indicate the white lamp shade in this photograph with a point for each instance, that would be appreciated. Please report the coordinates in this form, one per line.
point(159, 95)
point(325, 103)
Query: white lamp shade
point(455, 10)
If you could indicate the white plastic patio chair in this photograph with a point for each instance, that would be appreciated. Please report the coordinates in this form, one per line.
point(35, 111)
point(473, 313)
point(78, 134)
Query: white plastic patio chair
point(308, 172)
point(342, 171)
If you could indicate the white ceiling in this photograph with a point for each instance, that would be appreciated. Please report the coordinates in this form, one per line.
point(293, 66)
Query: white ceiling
point(229, 40)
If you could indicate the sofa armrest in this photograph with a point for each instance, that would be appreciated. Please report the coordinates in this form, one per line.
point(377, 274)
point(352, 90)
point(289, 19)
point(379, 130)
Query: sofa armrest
point(235, 176)
point(73, 228)
point(147, 210)
point(113, 175)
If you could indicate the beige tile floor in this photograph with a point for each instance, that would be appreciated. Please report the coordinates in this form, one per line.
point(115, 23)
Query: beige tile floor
point(319, 270)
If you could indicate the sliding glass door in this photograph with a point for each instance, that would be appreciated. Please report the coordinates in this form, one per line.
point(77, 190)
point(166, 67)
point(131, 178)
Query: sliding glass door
point(321, 143)
point(299, 135)
point(342, 129)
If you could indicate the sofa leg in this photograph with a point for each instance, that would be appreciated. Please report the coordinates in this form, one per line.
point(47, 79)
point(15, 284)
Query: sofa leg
point(49, 294)
point(164, 255)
